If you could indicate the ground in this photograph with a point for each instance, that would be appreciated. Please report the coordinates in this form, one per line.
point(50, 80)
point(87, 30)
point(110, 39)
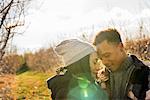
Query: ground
point(29, 85)
point(32, 86)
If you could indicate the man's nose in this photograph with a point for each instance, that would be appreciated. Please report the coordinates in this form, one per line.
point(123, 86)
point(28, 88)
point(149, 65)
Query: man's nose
point(105, 62)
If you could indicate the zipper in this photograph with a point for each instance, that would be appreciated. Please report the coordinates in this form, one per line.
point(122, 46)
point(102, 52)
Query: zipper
point(128, 79)
point(111, 85)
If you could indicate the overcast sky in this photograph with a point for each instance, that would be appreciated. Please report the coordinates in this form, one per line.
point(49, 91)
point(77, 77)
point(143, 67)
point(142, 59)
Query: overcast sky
point(48, 20)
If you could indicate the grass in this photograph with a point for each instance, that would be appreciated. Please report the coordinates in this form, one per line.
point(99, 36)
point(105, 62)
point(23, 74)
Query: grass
point(32, 86)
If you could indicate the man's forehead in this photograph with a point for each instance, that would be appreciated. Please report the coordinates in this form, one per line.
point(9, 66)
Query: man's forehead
point(103, 48)
point(103, 44)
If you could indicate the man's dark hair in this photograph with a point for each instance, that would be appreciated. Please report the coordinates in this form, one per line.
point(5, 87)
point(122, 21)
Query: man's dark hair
point(111, 35)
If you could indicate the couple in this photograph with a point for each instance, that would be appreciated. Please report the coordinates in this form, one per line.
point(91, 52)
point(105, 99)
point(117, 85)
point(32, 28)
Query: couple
point(128, 77)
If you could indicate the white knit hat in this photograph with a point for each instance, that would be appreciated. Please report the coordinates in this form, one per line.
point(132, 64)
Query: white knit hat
point(73, 50)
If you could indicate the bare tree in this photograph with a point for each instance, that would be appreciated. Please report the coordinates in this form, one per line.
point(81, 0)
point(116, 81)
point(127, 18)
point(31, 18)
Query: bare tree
point(11, 18)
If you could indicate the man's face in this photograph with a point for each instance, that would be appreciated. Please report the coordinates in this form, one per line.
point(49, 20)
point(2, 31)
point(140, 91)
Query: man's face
point(110, 54)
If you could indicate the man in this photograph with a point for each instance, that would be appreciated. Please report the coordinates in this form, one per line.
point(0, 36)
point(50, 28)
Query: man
point(128, 77)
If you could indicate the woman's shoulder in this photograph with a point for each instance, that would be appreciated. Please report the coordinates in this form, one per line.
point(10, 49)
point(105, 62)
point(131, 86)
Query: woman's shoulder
point(57, 81)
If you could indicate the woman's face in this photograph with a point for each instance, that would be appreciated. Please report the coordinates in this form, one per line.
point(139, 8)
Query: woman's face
point(95, 63)
point(97, 68)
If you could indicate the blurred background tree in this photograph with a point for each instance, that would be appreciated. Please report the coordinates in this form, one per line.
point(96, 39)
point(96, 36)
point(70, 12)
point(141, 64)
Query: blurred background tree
point(12, 17)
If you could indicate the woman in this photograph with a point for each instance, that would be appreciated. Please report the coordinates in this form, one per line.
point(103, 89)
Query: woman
point(77, 82)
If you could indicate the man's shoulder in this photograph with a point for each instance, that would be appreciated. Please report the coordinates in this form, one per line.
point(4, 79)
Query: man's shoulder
point(138, 63)
point(139, 77)
point(141, 71)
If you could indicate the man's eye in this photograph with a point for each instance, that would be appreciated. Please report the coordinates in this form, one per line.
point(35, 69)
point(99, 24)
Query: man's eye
point(106, 55)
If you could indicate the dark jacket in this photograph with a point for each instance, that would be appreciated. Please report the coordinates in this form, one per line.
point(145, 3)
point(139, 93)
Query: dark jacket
point(58, 86)
point(134, 78)
point(139, 81)
point(76, 84)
